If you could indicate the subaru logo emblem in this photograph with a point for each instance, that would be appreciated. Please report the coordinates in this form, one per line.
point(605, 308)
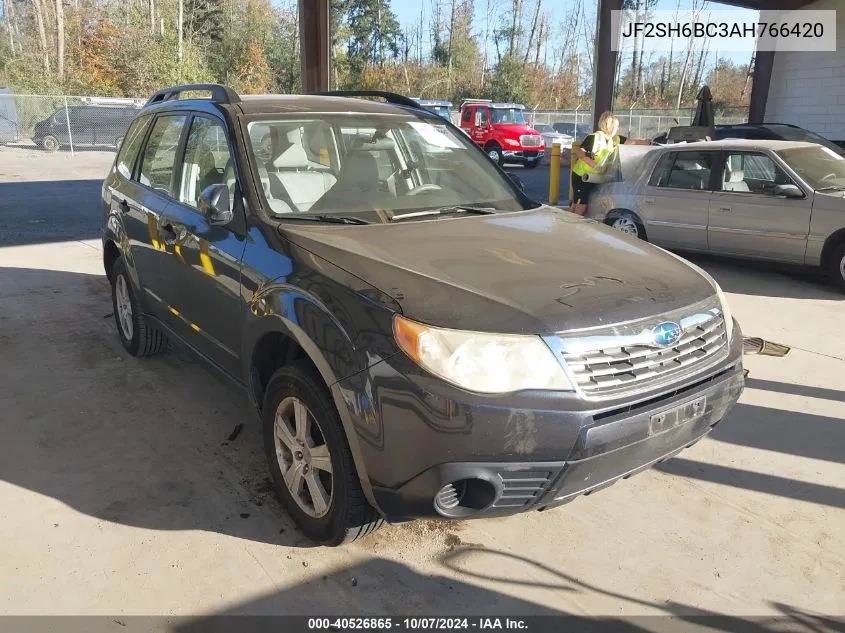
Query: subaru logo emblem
point(666, 334)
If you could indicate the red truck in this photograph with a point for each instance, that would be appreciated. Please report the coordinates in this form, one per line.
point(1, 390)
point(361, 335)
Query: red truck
point(501, 130)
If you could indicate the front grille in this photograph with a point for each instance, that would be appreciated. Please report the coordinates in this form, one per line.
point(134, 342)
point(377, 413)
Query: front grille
point(521, 488)
point(530, 140)
point(617, 360)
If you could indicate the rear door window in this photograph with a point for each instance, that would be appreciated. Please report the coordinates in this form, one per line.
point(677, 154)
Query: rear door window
point(684, 170)
point(159, 159)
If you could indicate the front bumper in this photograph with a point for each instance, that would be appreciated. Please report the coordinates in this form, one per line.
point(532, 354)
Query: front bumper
point(523, 155)
point(521, 451)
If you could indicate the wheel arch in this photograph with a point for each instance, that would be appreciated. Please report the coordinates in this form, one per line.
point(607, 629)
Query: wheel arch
point(271, 342)
point(833, 240)
point(617, 212)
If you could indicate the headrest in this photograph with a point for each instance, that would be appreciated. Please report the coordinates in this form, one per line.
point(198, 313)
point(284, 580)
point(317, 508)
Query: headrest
point(736, 175)
point(293, 156)
point(360, 168)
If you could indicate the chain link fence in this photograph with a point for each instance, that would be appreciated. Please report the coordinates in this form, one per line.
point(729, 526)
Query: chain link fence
point(56, 123)
point(633, 122)
point(65, 123)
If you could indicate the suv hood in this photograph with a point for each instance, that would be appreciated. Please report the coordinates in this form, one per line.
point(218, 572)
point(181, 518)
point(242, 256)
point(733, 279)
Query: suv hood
point(538, 271)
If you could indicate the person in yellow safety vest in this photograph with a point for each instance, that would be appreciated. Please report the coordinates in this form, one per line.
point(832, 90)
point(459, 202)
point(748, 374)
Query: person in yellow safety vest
point(596, 152)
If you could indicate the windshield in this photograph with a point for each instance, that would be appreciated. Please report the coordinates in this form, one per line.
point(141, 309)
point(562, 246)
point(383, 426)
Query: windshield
point(800, 134)
point(508, 115)
point(820, 167)
point(372, 167)
point(442, 111)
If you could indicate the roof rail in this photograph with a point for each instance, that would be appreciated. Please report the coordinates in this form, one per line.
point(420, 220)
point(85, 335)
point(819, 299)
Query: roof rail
point(390, 97)
point(219, 93)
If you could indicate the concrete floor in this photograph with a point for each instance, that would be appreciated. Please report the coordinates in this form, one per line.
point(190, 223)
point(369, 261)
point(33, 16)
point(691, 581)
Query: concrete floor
point(120, 493)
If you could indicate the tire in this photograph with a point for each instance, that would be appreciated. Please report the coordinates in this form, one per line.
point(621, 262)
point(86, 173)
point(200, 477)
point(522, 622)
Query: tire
point(531, 164)
point(138, 335)
point(494, 153)
point(50, 143)
point(627, 223)
point(836, 266)
point(346, 515)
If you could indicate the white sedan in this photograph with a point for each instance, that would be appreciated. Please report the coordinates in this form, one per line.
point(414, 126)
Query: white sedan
point(551, 136)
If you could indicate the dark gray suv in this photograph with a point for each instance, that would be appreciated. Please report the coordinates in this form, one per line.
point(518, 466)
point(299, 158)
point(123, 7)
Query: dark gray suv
point(418, 338)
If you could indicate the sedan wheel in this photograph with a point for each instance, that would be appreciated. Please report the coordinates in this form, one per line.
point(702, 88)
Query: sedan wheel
point(50, 143)
point(303, 457)
point(627, 224)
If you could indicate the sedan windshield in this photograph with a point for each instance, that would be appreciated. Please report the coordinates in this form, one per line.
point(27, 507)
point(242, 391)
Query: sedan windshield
point(372, 168)
point(821, 168)
point(508, 115)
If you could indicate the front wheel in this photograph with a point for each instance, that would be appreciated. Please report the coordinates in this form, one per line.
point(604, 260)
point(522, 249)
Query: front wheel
point(50, 143)
point(836, 267)
point(627, 223)
point(494, 153)
point(310, 461)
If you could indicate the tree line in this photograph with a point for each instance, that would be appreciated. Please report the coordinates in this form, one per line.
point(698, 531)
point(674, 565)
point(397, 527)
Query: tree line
point(513, 50)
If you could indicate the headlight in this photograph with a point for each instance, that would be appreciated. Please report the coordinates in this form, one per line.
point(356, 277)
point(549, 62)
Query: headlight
point(481, 362)
point(510, 141)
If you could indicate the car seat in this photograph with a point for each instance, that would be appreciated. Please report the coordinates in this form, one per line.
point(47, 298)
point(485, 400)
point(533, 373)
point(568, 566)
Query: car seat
point(735, 181)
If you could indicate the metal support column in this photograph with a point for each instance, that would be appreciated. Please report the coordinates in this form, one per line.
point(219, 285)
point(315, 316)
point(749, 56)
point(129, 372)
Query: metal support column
point(764, 61)
point(315, 44)
point(604, 76)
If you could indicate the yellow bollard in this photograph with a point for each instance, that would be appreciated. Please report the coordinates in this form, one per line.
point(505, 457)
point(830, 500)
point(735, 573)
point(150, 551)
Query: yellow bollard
point(572, 159)
point(554, 174)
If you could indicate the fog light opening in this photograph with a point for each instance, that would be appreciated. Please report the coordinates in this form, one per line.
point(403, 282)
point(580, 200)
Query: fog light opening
point(464, 497)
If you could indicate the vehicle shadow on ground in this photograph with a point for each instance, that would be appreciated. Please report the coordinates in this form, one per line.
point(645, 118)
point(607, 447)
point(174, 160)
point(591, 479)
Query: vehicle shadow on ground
point(157, 443)
point(35, 212)
point(141, 442)
point(524, 572)
point(380, 587)
point(766, 279)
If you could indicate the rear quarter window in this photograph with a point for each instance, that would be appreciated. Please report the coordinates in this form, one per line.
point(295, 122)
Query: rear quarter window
point(128, 153)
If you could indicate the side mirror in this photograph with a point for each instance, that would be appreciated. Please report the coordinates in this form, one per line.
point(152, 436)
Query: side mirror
point(214, 204)
point(789, 191)
point(517, 181)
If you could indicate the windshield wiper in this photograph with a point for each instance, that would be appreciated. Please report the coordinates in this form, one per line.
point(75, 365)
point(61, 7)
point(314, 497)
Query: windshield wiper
point(832, 188)
point(326, 219)
point(443, 211)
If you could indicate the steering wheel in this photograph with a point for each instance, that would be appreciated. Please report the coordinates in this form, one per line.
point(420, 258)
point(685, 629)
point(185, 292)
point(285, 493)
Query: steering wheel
point(829, 176)
point(424, 189)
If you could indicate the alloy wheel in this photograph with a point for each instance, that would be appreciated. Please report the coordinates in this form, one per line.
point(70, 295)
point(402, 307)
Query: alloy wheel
point(627, 225)
point(303, 457)
point(124, 308)
point(493, 154)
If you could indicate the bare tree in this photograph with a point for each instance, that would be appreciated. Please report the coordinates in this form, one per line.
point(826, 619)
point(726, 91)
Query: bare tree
point(451, 39)
point(668, 78)
point(491, 6)
point(531, 34)
point(7, 12)
point(152, 6)
point(179, 34)
point(516, 26)
point(42, 34)
point(60, 40)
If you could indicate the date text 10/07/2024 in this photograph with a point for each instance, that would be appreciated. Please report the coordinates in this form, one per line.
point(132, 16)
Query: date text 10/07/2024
point(416, 624)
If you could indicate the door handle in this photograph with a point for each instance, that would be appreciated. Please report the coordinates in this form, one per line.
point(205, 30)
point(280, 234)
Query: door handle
point(724, 208)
